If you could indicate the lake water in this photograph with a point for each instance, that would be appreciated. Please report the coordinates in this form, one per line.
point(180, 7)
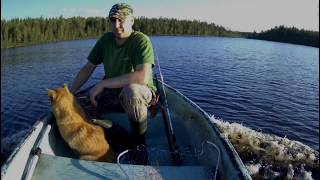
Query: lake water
point(267, 86)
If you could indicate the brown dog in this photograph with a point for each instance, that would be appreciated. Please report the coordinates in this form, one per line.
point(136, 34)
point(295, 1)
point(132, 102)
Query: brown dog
point(84, 138)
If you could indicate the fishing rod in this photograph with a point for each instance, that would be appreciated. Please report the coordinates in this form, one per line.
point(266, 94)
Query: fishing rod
point(164, 108)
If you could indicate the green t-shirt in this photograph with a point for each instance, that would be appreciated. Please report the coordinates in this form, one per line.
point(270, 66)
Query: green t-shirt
point(122, 60)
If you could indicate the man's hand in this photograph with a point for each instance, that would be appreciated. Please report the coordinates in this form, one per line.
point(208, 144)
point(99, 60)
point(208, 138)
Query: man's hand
point(94, 92)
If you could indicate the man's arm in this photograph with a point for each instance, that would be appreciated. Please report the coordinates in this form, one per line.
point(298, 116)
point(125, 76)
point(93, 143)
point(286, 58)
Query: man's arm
point(82, 77)
point(139, 76)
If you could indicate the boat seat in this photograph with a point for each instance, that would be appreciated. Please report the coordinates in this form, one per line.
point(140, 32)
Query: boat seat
point(56, 167)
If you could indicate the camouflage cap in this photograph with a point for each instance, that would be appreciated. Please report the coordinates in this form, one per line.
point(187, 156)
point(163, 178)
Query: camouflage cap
point(120, 10)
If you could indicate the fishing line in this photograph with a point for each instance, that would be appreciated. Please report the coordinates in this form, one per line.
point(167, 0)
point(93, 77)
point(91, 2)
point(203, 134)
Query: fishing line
point(167, 119)
point(164, 92)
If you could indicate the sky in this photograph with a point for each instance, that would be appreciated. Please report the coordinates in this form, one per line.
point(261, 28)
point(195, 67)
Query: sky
point(235, 15)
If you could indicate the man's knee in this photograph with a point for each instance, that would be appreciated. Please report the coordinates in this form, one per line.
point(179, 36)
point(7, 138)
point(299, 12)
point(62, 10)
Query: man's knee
point(135, 99)
point(135, 94)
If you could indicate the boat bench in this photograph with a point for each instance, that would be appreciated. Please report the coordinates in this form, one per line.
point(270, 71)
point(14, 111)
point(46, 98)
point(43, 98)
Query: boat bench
point(64, 168)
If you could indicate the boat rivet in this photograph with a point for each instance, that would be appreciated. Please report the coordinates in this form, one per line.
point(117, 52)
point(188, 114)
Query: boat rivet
point(37, 151)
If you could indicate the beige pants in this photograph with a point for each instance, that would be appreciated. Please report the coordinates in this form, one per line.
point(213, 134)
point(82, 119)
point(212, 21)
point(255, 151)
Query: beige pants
point(133, 99)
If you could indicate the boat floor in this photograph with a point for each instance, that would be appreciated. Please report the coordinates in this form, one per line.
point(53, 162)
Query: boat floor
point(55, 167)
point(156, 139)
point(62, 164)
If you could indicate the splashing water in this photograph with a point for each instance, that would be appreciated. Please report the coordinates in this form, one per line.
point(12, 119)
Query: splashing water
point(268, 156)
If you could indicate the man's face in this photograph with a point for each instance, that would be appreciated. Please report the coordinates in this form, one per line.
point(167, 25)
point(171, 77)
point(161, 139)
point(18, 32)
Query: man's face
point(121, 28)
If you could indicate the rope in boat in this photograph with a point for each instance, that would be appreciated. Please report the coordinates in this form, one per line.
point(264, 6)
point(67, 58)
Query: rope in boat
point(159, 159)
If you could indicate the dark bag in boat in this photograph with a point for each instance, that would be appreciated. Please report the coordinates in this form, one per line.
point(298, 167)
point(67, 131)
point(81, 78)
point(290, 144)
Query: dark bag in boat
point(154, 104)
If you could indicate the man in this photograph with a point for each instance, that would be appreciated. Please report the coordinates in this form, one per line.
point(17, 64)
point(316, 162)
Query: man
point(128, 60)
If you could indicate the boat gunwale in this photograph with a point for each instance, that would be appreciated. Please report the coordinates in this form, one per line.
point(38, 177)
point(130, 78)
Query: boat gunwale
point(33, 153)
point(45, 119)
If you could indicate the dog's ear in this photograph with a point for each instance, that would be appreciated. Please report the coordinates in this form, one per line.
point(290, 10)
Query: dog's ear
point(65, 86)
point(52, 94)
